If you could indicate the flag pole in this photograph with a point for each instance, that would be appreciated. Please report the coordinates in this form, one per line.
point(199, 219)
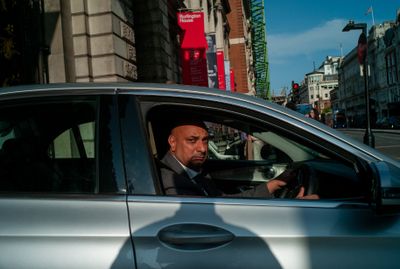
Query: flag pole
point(371, 10)
point(372, 14)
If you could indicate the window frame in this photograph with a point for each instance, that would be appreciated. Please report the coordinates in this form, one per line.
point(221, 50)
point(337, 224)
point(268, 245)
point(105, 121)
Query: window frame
point(101, 101)
point(291, 130)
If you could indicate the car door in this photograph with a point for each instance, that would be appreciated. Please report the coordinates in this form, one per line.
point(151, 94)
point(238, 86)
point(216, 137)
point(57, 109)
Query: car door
point(226, 232)
point(61, 203)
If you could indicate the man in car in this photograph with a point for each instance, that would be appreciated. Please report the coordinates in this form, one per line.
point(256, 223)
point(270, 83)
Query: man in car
point(182, 170)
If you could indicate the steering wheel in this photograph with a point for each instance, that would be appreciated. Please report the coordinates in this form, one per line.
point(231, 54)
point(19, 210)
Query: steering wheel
point(305, 177)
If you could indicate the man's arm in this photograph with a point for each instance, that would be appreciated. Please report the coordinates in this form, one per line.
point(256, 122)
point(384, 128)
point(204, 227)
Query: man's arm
point(261, 190)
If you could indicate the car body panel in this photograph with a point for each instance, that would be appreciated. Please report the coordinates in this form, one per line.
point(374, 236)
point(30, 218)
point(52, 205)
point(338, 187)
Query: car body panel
point(267, 233)
point(313, 234)
point(69, 232)
point(55, 228)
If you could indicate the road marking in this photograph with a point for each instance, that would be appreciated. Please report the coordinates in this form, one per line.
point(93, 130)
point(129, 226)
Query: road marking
point(389, 146)
point(390, 137)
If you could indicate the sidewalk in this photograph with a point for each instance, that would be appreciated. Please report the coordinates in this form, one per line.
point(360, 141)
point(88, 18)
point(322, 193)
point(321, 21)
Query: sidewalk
point(388, 131)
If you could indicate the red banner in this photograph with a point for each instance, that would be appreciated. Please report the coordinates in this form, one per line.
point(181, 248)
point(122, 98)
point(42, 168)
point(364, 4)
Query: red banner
point(232, 74)
point(193, 48)
point(221, 70)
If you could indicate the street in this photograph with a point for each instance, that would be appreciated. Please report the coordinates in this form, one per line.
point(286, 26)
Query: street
point(386, 141)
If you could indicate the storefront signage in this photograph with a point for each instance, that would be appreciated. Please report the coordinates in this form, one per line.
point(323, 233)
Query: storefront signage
point(193, 48)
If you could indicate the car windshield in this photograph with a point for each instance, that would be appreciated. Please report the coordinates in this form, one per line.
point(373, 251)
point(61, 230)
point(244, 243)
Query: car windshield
point(298, 151)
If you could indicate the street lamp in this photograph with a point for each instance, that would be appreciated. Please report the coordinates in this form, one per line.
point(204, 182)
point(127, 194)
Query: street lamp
point(362, 51)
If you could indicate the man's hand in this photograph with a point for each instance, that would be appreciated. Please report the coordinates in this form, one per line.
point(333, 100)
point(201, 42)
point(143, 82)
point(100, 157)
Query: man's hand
point(301, 195)
point(274, 185)
point(277, 184)
point(288, 175)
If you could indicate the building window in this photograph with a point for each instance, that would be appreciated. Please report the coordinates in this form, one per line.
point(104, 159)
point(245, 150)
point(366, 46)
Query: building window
point(391, 68)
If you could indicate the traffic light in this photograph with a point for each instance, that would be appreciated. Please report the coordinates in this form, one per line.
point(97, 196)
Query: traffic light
point(295, 88)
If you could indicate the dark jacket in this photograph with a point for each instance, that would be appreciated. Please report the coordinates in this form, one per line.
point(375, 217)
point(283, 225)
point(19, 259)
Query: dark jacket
point(177, 182)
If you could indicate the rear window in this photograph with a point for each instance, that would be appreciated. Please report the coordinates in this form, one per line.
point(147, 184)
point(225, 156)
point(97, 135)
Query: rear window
point(48, 146)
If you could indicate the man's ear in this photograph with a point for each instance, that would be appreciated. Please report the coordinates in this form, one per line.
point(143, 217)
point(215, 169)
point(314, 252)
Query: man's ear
point(172, 142)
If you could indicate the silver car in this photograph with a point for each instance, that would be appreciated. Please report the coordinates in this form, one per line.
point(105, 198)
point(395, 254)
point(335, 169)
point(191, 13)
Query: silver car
point(80, 184)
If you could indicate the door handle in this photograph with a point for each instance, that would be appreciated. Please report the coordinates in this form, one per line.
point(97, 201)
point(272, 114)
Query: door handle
point(194, 236)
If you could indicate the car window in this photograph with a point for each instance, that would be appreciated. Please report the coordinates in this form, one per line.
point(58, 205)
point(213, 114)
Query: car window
point(244, 152)
point(73, 152)
point(66, 144)
point(48, 146)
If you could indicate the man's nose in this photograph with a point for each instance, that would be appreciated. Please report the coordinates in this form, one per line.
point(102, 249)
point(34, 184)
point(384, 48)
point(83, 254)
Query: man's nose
point(202, 147)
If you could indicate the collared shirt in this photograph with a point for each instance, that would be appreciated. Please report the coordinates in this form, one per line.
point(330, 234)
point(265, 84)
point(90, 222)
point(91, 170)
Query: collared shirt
point(191, 173)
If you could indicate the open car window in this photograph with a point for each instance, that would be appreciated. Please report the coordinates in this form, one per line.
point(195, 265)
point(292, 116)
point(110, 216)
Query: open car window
point(244, 152)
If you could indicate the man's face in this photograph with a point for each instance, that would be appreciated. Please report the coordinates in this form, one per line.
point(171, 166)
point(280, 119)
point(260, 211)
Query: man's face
point(189, 144)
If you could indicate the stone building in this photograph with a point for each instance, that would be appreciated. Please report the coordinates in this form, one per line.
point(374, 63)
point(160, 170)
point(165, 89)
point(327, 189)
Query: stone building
point(391, 41)
point(90, 41)
point(157, 40)
point(317, 85)
point(383, 79)
point(112, 41)
point(120, 41)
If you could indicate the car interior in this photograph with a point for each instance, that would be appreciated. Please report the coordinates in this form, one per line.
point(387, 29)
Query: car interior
point(244, 152)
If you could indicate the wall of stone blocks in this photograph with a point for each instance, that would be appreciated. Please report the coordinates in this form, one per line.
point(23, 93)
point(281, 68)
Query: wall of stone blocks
point(104, 40)
point(157, 53)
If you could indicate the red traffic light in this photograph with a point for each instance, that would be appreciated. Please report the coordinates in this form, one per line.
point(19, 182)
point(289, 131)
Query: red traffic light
point(295, 88)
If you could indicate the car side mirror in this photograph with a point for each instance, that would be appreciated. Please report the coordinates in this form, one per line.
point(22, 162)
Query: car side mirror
point(386, 188)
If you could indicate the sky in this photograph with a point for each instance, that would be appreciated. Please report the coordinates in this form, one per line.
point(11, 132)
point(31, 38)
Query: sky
point(301, 33)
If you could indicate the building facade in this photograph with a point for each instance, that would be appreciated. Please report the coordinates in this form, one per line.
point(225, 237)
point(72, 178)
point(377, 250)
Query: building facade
point(216, 31)
point(124, 40)
point(391, 41)
point(317, 85)
point(383, 78)
point(105, 40)
point(241, 57)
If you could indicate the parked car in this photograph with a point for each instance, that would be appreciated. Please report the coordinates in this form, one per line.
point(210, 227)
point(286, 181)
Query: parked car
point(80, 185)
point(393, 122)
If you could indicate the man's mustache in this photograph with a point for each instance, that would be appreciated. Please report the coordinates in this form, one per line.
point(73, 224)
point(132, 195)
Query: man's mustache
point(199, 155)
